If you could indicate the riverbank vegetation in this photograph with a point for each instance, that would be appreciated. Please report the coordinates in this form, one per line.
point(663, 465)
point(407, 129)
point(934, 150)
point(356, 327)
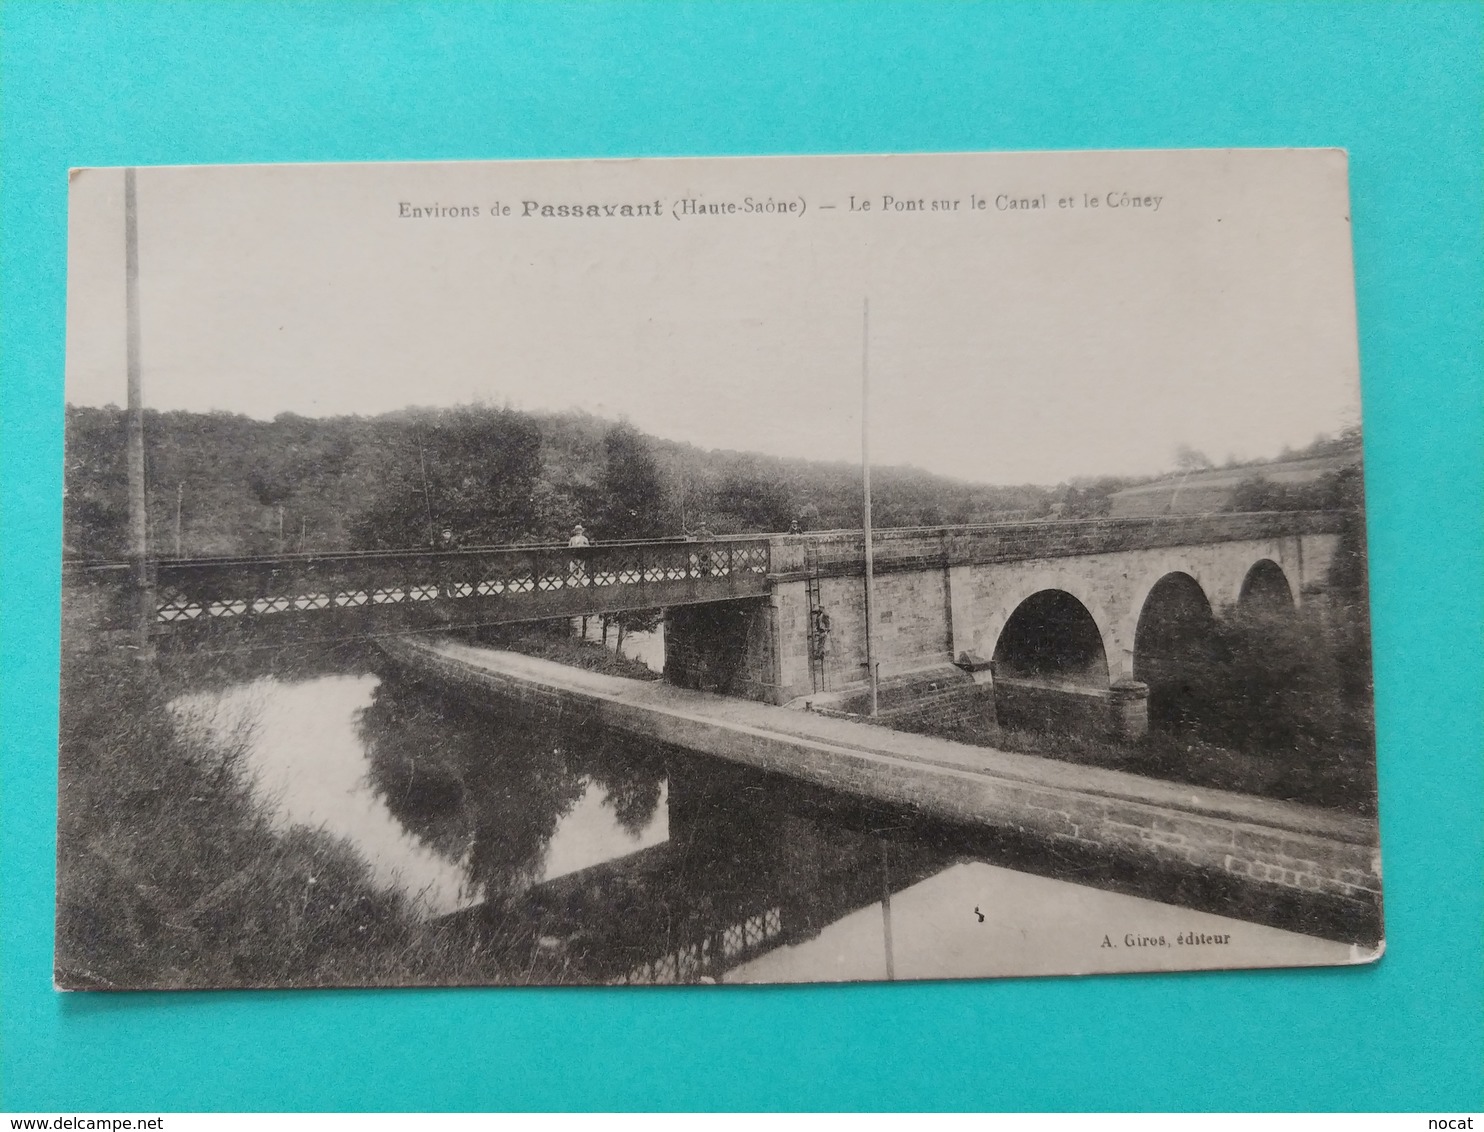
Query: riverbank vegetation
point(1243, 732)
point(556, 640)
point(174, 872)
point(1275, 702)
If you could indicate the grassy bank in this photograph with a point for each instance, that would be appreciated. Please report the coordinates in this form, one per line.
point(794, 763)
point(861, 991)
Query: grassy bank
point(1341, 784)
point(553, 640)
point(173, 872)
point(1276, 705)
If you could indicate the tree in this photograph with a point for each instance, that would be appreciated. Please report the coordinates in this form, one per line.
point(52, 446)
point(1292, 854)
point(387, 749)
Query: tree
point(631, 505)
point(1339, 490)
point(1188, 459)
point(272, 486)
point(754, 503)
point(1267, 684)
point(471, 471)
point(632, 497)
point(95, 507)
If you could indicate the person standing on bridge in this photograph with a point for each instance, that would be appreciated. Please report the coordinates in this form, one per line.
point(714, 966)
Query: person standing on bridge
point(576, 568)
point(703, 559)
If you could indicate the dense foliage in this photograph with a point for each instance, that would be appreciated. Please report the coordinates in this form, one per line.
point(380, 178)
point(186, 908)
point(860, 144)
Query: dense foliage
point(481, 474)
point(1260, 700)
point(1333, 491)
point(229, 484)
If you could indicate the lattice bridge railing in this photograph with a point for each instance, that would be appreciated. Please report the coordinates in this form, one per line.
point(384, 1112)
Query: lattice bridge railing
point(339, 594)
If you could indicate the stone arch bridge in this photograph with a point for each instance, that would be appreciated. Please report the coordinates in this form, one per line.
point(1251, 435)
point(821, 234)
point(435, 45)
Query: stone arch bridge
point(1066, 619)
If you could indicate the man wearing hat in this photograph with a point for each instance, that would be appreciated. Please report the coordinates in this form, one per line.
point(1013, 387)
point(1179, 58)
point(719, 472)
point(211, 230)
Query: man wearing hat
point(576, 568)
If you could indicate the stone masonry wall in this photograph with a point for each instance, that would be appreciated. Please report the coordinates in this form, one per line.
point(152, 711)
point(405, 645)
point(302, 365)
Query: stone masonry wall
point(1336, 858)
point(911, 625)
point(940, 696)
point(1113, 587)
point(1028, 705)
point(917, 548)
point(928, 613)
point(911, 629)
point(1274, 846)
point(725, 647)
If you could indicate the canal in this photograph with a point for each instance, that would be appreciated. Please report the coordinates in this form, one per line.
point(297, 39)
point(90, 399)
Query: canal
point(626, 862)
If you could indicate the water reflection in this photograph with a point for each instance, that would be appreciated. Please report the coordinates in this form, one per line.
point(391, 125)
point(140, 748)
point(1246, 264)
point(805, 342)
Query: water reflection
point(628, 863)
point(513, 802)
point(305, 755)
point(444, 802)
point(752, 864)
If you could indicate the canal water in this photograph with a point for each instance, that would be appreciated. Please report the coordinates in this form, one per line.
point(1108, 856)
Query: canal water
point(639, 864)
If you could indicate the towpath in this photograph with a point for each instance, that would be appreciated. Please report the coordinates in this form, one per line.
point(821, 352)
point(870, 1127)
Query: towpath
point(1263, 841)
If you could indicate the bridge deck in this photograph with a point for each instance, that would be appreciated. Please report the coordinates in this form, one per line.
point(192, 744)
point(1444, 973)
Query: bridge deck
point(327, 596)
point(324, 597)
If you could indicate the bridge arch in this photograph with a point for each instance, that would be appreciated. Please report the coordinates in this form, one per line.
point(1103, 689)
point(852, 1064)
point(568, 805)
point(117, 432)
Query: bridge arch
point(988, 633)
point(1174, 640)
point(1207, 576)
point(1051, 635)
point(1265, 589)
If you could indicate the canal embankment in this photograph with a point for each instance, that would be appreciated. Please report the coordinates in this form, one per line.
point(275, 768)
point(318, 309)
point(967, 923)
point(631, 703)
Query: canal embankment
point(1258, 843)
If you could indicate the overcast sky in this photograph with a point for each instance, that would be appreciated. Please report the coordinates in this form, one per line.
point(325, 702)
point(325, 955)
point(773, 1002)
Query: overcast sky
point(1005, 345)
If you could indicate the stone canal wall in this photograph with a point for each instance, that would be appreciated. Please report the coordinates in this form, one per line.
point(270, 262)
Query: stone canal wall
point(1273, 845)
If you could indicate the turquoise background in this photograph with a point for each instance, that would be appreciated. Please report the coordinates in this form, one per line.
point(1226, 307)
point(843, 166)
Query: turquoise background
point(1398, 85)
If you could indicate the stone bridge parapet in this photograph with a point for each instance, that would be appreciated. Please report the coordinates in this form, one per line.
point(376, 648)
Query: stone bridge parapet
point(835, 553)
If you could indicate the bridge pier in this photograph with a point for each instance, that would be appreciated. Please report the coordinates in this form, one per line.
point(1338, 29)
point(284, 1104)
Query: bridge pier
point(1128, 715)
point(726, 647)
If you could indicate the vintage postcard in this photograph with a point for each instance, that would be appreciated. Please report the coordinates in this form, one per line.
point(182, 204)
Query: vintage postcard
point(727, 570)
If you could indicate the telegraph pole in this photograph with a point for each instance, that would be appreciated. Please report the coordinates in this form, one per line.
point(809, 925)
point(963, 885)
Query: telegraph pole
point(422, 463)
point(138, 517)
point(866, 481)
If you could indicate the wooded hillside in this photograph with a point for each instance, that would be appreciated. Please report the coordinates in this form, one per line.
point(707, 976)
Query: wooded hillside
point(485, 475)
point(498, 475)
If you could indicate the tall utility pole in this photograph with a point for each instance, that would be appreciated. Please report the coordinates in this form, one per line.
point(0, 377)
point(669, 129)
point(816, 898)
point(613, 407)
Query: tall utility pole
point(866, 480)
point(138, 518)
point(422, 462)
point(179, 495)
